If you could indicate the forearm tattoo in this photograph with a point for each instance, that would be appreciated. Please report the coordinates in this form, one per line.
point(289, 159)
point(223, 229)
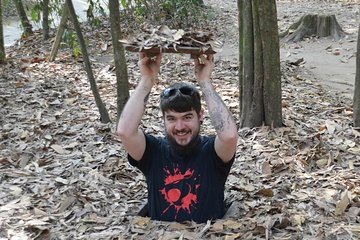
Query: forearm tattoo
point(217, 111)
point(146, 98)
point(218, 121)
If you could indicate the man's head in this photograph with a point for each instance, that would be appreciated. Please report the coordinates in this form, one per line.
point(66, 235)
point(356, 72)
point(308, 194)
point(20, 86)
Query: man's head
point(181, 107)
point(180, 97)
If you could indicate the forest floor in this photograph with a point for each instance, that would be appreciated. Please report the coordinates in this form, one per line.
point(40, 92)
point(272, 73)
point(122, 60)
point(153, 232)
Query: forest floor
point(64, 175)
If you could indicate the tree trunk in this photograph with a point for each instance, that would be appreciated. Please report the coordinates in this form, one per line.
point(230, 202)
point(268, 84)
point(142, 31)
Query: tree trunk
point(122, 78)
point(313, 25)
point(247, 74)
point(271, 63)
point(45, 20)
point(23, 17)
point(59, 33)
point(104, 116)
point(259, 64)
point(356, 105)
point(241, 55)
point(2, 47)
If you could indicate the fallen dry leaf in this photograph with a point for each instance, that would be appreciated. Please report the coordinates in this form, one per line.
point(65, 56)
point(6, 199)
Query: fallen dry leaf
point(59, 149)
point(342, 204)
point(265, 192)
point(85, 188)
point(298, 219)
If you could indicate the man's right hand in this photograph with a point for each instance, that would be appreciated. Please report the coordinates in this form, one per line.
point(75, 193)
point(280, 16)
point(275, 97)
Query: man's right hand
point(149, 68)
point(128, 130)
point(204, 68)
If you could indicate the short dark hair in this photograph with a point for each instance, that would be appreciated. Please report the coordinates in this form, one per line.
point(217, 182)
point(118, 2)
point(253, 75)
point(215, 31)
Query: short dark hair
point(180, 97)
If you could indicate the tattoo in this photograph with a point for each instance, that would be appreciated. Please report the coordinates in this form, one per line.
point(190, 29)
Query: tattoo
point(217, 112)
point(218, 121)
point(146, 98)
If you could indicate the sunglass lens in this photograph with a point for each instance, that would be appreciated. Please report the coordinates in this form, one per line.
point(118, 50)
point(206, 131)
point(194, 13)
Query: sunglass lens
point(169, 92)
point(186, 90)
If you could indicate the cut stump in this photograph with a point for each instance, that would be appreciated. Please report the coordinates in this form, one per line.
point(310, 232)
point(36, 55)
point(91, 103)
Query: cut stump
point(313, 25)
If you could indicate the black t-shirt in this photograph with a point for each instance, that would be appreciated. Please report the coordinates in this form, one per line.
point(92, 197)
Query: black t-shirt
point(183, 188)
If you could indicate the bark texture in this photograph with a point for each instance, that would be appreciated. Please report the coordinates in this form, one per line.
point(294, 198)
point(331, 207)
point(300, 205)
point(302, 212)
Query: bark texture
point(356, 105)
point(2, 46)
point(23, 17)
point(259, 64)
point(314, 25)
point(59, 33)
point(45, 20)
point(121, 72)
point(104, 116)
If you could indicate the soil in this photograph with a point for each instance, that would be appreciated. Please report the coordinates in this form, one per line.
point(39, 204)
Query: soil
point(330, 62)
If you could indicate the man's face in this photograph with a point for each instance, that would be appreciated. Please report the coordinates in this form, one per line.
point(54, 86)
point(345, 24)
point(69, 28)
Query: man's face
point(182, 127)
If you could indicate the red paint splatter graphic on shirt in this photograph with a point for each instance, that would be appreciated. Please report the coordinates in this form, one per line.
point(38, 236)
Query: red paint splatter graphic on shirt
point(174, 196)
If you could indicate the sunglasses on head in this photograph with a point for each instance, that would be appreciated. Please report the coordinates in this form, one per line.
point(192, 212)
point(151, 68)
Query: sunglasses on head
point(172, 91)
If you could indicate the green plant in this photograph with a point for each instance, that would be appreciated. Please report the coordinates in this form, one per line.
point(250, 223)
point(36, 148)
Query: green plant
point(174, 13)
point(184, 13)
point(55, 10)
point(70, 39)
point(35, 12)
point(94, 10)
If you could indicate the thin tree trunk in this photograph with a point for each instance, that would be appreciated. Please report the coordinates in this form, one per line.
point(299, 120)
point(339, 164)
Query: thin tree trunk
point(122, 78)
point(23, 17)
point(59, 33)
point(104, 116)
point(271, 58)
point(45, 20)
point(258, 85)
point(2, 47)
point(248, 64)
point(241, 55)
point(259, 64)
point(356, 105)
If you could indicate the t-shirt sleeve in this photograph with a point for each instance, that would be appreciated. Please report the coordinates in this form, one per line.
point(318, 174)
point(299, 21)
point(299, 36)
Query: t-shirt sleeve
point(144, 163)
point(223, 167)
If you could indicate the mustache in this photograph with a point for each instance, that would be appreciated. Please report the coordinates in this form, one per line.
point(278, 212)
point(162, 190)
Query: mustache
point(182, 131)
point(183, 150)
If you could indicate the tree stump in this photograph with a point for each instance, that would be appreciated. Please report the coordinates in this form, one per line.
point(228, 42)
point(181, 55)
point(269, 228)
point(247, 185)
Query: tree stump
point(314, 25)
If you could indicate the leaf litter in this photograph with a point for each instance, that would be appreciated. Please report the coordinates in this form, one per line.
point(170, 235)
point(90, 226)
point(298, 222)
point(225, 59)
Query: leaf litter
point(64, 175)
point(164, 39)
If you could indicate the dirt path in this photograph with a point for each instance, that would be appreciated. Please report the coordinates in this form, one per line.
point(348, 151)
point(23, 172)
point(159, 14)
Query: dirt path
point(330, 63)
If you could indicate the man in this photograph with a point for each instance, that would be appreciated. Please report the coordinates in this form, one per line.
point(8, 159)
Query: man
point(185, 172)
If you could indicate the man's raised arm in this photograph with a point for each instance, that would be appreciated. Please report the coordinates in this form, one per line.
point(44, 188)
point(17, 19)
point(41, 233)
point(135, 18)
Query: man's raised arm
point(221, 118)
point(128, 126)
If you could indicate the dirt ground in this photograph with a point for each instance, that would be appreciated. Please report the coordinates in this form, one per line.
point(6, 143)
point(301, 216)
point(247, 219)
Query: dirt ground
point(331, 62)
point(65, 175)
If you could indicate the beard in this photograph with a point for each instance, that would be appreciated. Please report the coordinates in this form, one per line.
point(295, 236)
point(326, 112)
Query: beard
point(183, 150)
